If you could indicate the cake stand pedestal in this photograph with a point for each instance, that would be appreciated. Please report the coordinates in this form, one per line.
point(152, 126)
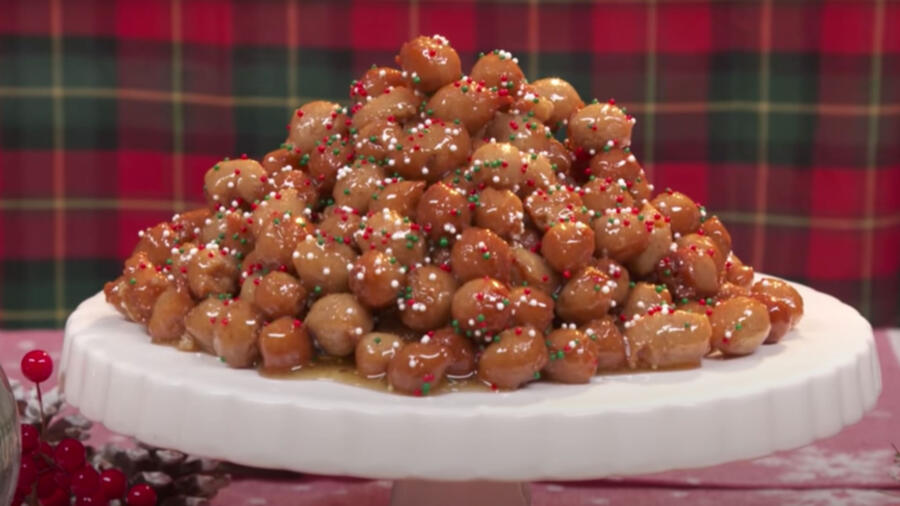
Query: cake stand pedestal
point(823, 376)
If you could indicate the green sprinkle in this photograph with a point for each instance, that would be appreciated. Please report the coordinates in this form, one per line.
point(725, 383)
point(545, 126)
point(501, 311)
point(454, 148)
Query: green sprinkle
point(486, 256)
point(132, 281)
point(738, 326)
point(377, 340)
point(659, 288)
point(426, 387)
point(687, 325)
point(443, 242)
point(317, 289)
point(222, 359)
point(631, 284)
point(480, 318)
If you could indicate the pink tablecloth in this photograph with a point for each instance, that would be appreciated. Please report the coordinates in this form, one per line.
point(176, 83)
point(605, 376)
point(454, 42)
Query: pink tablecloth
point(856, 467)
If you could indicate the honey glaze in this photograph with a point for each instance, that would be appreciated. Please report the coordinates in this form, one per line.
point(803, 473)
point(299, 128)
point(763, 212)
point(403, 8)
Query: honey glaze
point(342, 370)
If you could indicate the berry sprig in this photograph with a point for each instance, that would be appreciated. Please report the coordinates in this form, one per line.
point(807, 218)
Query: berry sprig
point(59, 474)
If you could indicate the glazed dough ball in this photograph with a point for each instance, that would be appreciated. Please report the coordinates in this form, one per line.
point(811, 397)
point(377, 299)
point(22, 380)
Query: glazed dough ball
point(200, 322)
point(586, 296)
point(458, 348)
point(443, 212)
point(285, 345)
point(739, 325)
point(212, 271)
point(374, 351)
point(418, 367)
point(597, 125)
point(235, 179)
point(667, 338)
point(568, 246)
point(497, 164)
point(572, 358)
point(644, 297)
point(532, 270)
point(501, 212)
point(166, 323)
point(621, 234)
point(399, 196)
point(235, 337)
point(683, 213)
point(563, 96)
point(376, 81)
point(608, 343)
point(514, 359)
point(430, 61)
point(314, 121)
point(375, 280)
point(531, 306)
point(498, 69)
point(337, 321)
point(482, 305)
point(783, 291)
point(357, 187)
point(479, 253)
point(467, 101)
point(279, 294)
point(430, 294)
point(396, 235)
point(396, 104)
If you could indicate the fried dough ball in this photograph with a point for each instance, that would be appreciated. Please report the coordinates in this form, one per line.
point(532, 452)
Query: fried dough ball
point(608, 343)
point(337, 321)
point(285, 345)
point(597, 125)
point(200, 322)
point(779, 316)
point(357, 187)
point(431, 151)
point(683, 213)
point(236, 334)
point(737, 272)
point(212, 271)
point(555, 205)
point(430, 61)
point(563, 96)
point(399, 196)
point(515, 358)
point(645, 296)
point(532, 270)
point(166, 322)
point(459, 349)
point(374, 351)
point(479, 253)
point(377, 139)
point(396, 235)
point(280, 160)
point(277, 241)
point(498, 69)
point(603, 194)
point(443, 211)
point(502, 212)
point(230, 230)
point(586, 296)
point(279, 294)
point(135, 292)
point(375, 81)
point(621, 234)
point(497, 164)
point(667, 339)
point(659, 244)
point(314, 121)
point(394, 104)
point(620, 166)
point(568, 246)
point(375, 280)
point(323, 265)
point(465, 100)
point(230, 180)
point(572, 358)
point(430, 290)
point(156, 242)
point(715, 230)
point(325, 161)
point(340, 222)
point(531, 306)
point(418, 367)
point(482, 305)
point(783, 291)
point(619, 279)
point(739, 325)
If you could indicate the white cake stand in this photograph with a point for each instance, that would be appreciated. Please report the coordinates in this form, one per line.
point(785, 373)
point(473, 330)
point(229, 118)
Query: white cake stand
point(823, 376)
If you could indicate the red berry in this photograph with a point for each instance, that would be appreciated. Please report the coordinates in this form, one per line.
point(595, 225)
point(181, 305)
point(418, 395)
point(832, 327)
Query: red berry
point(141, 495)
point(85, 481)
point(92, 500)
point(112, 484)
point(37, 366)
point(57, 498)
point(30, 438)
point(28, 473)
point(69, 454)
point(44, 456)
point(48, 483)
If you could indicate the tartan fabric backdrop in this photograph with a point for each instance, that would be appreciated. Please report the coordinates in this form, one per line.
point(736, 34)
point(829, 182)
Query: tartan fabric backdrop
point(782, 117)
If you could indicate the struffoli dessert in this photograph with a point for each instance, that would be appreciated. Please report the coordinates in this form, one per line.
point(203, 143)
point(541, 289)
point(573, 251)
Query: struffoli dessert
point(442, 226)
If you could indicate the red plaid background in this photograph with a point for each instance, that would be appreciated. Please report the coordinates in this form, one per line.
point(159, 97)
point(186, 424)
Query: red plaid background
point(782, 117)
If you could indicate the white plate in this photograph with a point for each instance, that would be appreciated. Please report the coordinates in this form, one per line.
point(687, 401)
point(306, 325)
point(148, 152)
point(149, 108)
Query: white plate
point(823, 376)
